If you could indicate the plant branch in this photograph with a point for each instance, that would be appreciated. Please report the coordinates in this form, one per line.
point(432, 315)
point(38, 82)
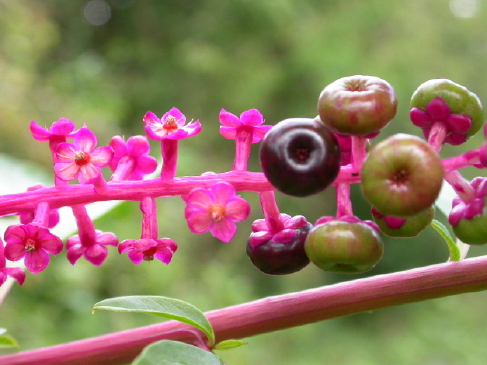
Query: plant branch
point(275, 313)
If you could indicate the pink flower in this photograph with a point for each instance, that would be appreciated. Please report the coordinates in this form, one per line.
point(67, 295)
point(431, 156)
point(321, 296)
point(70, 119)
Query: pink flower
point(135, 150)
point(457, 125)
point(80, 159)
point(261, 232)
point(62, 128)
point(147, 249)
point(170, 126)
point(14, 272)
point(250, 120)
point(32, 242)
point(216, 210)
point(94, 250)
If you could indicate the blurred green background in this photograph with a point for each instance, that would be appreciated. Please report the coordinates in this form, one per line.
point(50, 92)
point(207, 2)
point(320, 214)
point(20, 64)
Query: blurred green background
point(106, 63)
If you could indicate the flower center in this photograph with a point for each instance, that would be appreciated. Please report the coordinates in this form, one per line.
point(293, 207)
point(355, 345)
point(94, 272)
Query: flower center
point(81, 158)
point(149, 254)
point(170, 125)
point(217, 212)
point(30, 245)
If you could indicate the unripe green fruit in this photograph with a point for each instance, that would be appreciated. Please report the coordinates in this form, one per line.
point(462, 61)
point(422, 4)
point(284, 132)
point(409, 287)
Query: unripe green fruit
point(402, 176)
point(357, 105)
point(473, 231)
point(458, 98)
point(412, 227)
point(344, 247)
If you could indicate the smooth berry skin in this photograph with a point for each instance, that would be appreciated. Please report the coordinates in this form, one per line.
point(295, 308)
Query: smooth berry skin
point(402, 175)
point(473, 231)
point(412, 226)
point(357, 105)
point(275, 258)
point(458, 98)
point(344, 247)
point(300, 157)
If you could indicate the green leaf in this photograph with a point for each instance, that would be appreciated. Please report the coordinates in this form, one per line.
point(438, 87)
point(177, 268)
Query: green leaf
point(163, 307)
point(229, 344)
point(6, 340)
point(167, 352)
point(443, 231)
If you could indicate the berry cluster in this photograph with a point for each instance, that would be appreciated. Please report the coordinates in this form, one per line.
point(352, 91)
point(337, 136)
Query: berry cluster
point(401, 177)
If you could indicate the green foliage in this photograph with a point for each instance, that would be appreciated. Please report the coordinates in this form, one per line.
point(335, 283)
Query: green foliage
point(6, 340)
point(175, 353)
point(443, 231)
point(160, 306)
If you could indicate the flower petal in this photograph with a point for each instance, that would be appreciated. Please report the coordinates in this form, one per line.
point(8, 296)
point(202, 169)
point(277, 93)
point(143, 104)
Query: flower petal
point(199, 222)
point(224, 230)
point(106, 238)
point(223, 191)
point(66, 171)
point(438, 109)
point(14, 251)
point(176, 113)
point(199, 199)
point(50, 242)
point(136, 257)
point(15, 273)
point(228, 132)
point(39, 133)
point(420, 118)
point(237, 209)
point(36, 261)
point(146, 165)
point(284, 236)
point(126, 245)
point(260, 132)
point(88, 173)
point(259, 225)
point(258, 238)
point(75, 252)
point(229, 120)
point(102, 156)
point(96, 254)
point(251, 118)
point(85, 140)
point(65, 152)
point(164, 255)
point(138, 146)
point(63, 127)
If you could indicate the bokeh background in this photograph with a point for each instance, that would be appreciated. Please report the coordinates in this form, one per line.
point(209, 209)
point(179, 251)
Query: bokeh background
point(106, 63)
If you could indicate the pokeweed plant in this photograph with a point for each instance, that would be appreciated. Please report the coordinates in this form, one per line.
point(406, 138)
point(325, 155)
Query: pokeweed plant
point(401, 177)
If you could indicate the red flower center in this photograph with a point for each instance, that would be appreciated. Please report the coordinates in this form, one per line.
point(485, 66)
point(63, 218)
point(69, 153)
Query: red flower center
point(81, 158)
point(149, 254)
point(217, 212)
point(30, 245)
point(170, 125)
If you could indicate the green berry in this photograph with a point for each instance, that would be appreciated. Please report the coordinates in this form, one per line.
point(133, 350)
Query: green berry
point(411, 227)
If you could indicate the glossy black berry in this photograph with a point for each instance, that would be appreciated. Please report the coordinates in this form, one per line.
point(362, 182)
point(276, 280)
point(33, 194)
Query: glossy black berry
point(281, 258)
point(300, 156)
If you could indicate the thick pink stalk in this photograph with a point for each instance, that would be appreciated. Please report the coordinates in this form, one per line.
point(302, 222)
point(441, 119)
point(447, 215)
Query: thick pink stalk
point(242, 149)
point(42, 214)
point(133, 190)
point(437, 135)
point(271, 211)
point(274, 313)
point(170, 159)
point(461, 186)
point(459, 162)
point(344, 204)
point(86, 228)
point(359, 154)
point(149, 218)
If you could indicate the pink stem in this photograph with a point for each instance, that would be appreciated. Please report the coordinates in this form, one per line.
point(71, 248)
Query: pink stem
point(170, 159)
point(242, 148)
point(437, 135)
point(271, 211)
point(359, 145)
point(100, 184)
point(86, 228)
point(42, 214)
point(149, 218)
point(344, 204)
point(461, 186)
point(274, 313)
point(124, 169)
point(465, 160)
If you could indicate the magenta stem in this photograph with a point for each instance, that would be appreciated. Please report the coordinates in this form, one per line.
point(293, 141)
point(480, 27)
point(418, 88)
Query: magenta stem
point(124, 169)
point(100, 184)
point(42, 214)
point(359, 153)
point(465, 160)
point(170, 159)
point(461, 186)
point(271, 212)
point(274, 313)
point(86, 228)
point(344, 204)
point(149, 218)
point(437, 135)
point(243, 145)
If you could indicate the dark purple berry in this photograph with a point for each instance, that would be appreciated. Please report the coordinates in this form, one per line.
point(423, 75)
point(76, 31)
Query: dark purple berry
point(275, 258)
point(300, 156)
